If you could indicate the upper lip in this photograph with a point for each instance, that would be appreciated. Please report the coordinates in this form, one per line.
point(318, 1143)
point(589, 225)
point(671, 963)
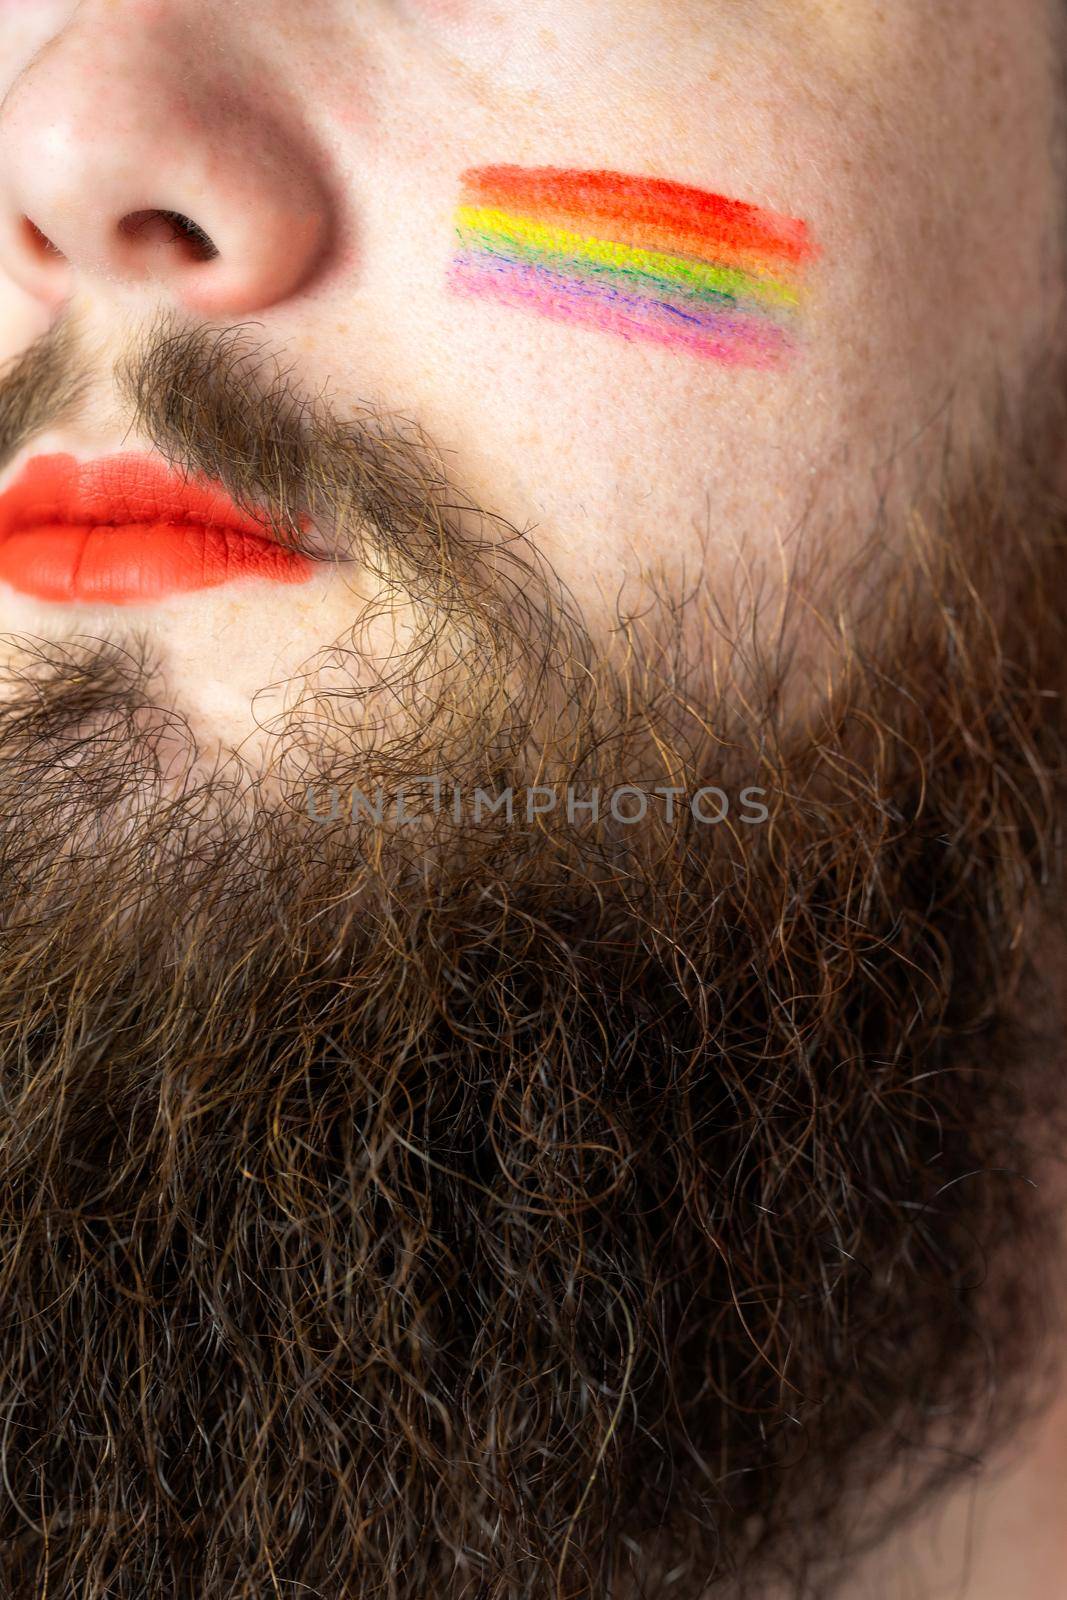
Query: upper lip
point(119, 490)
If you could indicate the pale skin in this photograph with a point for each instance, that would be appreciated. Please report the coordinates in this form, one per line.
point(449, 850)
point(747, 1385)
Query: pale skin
point(321, 145)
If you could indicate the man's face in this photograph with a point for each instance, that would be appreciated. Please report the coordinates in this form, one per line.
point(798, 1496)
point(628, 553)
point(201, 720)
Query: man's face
point(653, 395)
point(324, 158)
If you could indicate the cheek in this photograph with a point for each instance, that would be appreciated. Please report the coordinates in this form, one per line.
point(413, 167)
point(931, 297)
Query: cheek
point(447, 10)
point(21, 319)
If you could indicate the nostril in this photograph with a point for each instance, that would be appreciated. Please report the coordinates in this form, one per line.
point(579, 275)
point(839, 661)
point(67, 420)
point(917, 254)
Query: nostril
point(38, 242)
point(170, 227)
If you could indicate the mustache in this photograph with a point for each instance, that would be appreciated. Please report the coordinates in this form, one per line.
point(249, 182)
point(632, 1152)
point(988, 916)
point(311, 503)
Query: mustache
point(46, 385)
point(457, 611)
point(218, 403)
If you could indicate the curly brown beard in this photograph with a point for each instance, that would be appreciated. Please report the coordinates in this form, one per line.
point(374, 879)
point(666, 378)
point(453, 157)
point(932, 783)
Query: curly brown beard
point(531, 1210)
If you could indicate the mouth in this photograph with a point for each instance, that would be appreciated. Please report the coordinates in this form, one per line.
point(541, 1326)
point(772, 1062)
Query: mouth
point(125, 530)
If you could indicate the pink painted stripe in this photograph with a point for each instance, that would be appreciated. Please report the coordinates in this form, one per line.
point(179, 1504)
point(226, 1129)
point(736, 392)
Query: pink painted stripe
point(726, 336)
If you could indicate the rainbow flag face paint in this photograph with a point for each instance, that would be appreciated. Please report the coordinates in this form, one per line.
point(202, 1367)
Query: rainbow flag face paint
point(646, 259)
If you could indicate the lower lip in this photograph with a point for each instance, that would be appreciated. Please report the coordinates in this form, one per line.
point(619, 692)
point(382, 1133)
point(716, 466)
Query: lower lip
point(139, 563)
point(120, 531)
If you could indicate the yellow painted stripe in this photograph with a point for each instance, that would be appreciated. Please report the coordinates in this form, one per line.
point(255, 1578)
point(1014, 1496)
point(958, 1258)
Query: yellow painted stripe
point(682, 270)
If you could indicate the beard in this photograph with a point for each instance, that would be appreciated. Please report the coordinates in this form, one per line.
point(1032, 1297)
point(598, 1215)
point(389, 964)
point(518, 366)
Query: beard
point(535, 1207)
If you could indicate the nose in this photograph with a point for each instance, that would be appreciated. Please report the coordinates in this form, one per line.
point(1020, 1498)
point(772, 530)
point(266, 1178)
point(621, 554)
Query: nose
point(132, 153)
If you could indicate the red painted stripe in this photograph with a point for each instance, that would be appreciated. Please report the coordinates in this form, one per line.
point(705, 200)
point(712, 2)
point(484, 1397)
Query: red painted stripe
point(553, 192)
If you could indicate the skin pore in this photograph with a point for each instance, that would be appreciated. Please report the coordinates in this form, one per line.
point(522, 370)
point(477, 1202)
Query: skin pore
point(568, 1209)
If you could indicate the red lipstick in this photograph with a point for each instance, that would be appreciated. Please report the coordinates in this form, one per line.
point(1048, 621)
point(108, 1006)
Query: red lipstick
point(125, 530)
